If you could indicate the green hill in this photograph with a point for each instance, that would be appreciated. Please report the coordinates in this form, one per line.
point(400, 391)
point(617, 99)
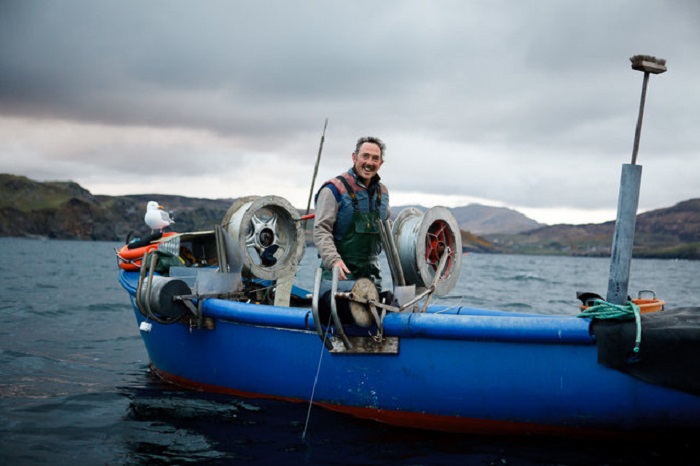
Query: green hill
point(65, 210)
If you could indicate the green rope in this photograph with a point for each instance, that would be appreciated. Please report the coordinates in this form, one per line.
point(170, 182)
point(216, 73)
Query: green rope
point(604, 310)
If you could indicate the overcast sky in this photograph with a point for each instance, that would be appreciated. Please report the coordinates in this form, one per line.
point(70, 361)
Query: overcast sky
point(526, 104)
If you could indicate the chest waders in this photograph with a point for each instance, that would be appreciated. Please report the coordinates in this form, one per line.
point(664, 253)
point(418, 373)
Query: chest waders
point(361, 245)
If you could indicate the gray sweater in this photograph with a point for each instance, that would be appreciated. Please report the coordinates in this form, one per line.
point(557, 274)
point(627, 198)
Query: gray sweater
point(324, 220)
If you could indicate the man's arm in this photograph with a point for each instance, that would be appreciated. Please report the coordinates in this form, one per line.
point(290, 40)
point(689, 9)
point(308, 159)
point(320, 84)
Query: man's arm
point(326, 213)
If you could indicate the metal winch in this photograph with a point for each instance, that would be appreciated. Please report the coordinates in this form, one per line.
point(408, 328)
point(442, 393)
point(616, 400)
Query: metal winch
point(422, 241)
point(424, 252)
point(270, 238)
point(260, 238)
point(270, 235)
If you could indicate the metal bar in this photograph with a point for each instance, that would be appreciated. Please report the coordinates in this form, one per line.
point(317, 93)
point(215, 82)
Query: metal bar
point(392, 260)
point(638, 130)
point(139, 284)
point(221, 249)
point(334, 309)
point(438, 273)
point(318, 161)
point(395, 253)
point(314, 309)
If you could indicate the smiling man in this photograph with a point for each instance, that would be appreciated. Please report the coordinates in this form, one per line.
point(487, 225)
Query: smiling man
point(349, 208)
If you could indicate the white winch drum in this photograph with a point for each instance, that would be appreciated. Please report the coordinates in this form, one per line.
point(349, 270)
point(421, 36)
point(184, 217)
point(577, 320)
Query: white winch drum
point(269, 233)
point(421, 240)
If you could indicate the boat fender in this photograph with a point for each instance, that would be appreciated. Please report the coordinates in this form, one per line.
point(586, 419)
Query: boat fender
point(161, 297)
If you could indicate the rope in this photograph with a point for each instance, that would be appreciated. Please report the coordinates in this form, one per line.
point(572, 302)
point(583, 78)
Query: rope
point(604, 310)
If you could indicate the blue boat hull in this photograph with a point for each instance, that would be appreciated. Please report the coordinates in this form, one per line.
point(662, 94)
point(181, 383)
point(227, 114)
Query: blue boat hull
point(457, 370)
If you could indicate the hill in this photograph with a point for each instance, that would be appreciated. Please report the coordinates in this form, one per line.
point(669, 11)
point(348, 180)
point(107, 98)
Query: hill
point(483, 220)
point(672, 232)
point(65, 210)
point(479, 219)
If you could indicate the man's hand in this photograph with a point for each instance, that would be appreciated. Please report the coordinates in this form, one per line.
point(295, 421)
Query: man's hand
point(343, 269)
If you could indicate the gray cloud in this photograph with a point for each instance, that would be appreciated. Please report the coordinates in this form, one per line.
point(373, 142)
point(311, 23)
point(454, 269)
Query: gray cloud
point(532, 104)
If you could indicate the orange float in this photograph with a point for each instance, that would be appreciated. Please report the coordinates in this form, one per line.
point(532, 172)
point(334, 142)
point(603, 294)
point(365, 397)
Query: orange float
point(645, 305)
point(649, 305)
point(131, 259)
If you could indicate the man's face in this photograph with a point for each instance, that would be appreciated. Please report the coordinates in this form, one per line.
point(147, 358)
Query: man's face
point(367, 161)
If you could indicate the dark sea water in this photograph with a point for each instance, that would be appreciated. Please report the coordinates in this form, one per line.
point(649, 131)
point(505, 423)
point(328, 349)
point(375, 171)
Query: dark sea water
point(75, 387)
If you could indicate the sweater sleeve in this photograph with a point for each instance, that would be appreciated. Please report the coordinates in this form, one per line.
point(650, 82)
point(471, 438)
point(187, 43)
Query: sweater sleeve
point(326, 212)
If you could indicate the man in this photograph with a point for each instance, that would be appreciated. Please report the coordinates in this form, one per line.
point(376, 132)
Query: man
point(349, 208)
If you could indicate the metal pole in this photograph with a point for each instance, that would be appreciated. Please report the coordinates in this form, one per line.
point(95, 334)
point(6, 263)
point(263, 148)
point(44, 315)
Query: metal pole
point(638, 131)
point(623, 239)
point(313, 178)
point(628, 200)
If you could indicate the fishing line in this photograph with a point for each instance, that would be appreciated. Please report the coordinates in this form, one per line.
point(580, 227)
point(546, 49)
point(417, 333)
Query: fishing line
point(313, 389)
point(455, 306)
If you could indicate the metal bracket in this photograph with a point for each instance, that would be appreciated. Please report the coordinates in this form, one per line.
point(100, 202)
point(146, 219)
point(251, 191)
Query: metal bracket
point(365, 345)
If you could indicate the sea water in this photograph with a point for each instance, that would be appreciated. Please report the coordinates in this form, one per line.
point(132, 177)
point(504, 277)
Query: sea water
point(75, 387)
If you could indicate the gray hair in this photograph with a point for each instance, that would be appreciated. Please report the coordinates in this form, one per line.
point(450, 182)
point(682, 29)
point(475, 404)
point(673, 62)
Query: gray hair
point(373, 140)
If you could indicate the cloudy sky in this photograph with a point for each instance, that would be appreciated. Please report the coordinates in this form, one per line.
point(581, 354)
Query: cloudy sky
point(526, 104)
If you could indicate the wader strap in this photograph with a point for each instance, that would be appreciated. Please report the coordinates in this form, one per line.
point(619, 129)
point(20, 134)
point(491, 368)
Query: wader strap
point(351, 192)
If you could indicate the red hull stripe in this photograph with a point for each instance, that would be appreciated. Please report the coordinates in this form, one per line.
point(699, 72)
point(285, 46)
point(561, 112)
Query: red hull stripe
point(416, 420)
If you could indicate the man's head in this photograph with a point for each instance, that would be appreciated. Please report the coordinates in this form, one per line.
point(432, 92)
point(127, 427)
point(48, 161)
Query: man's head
point(368, 157)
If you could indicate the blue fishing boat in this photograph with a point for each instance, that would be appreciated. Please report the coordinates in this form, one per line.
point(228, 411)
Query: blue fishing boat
point(218, 311)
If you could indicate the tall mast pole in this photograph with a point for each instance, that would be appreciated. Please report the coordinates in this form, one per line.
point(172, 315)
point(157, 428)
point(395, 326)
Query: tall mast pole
point(628, 201)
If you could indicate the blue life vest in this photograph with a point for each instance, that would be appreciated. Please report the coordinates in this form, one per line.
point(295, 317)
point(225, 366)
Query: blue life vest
point(357, 197)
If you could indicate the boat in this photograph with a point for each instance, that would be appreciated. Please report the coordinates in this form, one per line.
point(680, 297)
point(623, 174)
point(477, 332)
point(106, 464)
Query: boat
point(218, 311)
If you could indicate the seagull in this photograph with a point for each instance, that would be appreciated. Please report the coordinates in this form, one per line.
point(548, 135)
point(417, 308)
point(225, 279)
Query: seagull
point(156, 217)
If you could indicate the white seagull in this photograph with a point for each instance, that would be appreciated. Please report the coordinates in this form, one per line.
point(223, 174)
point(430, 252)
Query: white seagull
point(156, 217)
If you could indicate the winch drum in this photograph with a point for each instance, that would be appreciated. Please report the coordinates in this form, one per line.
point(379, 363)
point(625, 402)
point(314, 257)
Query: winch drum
point(269, 233)
point(421, 240)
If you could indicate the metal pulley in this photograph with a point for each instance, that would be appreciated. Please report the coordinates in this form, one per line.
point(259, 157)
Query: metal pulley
point(421, 240)
point(269, 233)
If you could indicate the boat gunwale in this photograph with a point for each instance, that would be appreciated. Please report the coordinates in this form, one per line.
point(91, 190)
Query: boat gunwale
point(460, 323)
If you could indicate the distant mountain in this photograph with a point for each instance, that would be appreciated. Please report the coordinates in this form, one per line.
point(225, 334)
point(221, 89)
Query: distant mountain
point(483, 220)
point(65, 210)
point(477, 221)
point(672, 232)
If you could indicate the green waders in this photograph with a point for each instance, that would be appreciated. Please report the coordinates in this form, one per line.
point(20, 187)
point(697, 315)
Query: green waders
point(360, 247)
